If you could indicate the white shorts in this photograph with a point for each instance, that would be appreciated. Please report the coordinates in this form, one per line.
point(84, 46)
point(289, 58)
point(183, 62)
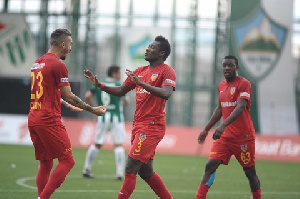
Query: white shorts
point(116, 130)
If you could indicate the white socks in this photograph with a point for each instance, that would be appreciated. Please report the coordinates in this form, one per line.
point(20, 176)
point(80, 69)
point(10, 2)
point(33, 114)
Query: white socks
point(120, 160)
point(91, 155)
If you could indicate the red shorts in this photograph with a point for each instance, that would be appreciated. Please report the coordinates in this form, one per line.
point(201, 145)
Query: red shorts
point(50, 142)
point(244, 151)
point(144, 142)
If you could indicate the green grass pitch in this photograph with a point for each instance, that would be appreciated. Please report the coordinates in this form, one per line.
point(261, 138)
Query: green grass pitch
point(181, 175)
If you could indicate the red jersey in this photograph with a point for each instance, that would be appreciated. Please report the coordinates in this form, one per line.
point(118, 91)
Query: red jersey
point(48, 73)
point(229, 92)
point(150, 108)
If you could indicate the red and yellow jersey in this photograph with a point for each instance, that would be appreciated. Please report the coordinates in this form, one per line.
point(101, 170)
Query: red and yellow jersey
point(229, 92)
point(150, 108)
point(48, 73)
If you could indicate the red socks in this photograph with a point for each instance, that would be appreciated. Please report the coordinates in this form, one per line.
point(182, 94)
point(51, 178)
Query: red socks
point(256, 194)
point(128, 186)
point(57, 177)
point(155, 182)
point(202, 191)
point(43, 174)
point(158, 186)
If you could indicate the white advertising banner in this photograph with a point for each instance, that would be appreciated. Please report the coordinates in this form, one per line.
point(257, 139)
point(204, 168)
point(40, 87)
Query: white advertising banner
point(14, 130)
point(17, 47)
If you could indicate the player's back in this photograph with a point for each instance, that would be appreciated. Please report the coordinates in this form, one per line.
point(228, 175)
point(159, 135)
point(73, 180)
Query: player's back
point(46, 77)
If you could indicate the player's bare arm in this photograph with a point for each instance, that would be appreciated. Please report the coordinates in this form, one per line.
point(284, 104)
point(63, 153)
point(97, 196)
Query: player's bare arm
point(70, 107)
point(76, 101)
point(241, 106)
point(114, 90)
point(164, 92)
point(213, 120)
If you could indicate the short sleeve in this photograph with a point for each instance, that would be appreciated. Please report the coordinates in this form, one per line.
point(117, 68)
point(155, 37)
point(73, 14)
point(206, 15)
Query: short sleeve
point(169, 77)
point(244, 90)
point(61, 74)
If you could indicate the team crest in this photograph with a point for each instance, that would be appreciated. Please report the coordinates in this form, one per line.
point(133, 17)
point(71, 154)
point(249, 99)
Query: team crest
point(244, 148)
point(258, 41)
point(142, 137)
point(232, 90)
point(153, 77)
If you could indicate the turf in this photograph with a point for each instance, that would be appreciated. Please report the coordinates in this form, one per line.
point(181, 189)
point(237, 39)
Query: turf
point(181, 175)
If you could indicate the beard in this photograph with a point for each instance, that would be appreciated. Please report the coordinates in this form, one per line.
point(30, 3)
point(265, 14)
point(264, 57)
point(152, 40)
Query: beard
point(63, 57)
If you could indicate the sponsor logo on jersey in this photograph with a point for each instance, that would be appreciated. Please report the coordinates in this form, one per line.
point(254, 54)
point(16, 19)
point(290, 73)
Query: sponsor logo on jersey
point(142, 138)
point(170, 81)
point(245, 94)
point(142, 90)
point(153, 77)
point(228, 104)
point(64, 79)
point(232, 90)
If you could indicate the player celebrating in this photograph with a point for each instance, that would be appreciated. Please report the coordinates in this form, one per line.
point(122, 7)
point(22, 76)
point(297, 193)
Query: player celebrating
point(112, 121)
point(154, 85)
point(49, 80)
point(236, 134)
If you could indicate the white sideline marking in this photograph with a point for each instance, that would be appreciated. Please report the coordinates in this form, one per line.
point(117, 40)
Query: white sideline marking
point(22, 182)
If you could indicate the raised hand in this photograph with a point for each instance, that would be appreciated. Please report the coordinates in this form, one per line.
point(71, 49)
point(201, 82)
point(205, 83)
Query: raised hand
point(93, 78)
point(133, 77)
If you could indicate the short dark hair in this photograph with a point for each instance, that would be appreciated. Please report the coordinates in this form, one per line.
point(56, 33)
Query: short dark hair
point(232, 57)
point(164, 45)
point(112, 69)
point(58, 36)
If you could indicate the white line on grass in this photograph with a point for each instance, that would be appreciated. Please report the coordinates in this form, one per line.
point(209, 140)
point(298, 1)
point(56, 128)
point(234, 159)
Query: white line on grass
point(22, 182)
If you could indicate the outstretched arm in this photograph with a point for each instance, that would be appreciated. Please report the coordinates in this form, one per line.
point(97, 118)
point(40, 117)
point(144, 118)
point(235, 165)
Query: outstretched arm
point(70, 107)
point(164, 92)
point(114, 90)
point(76, 101)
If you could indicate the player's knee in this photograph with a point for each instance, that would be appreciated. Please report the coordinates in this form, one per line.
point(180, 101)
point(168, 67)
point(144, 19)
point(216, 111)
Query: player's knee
point(69, 161)
point(250, 172)
point(46, 164)
point(211, 166)
point(145, 175)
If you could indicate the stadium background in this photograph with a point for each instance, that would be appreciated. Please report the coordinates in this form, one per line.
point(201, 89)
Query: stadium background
point(201, 33)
